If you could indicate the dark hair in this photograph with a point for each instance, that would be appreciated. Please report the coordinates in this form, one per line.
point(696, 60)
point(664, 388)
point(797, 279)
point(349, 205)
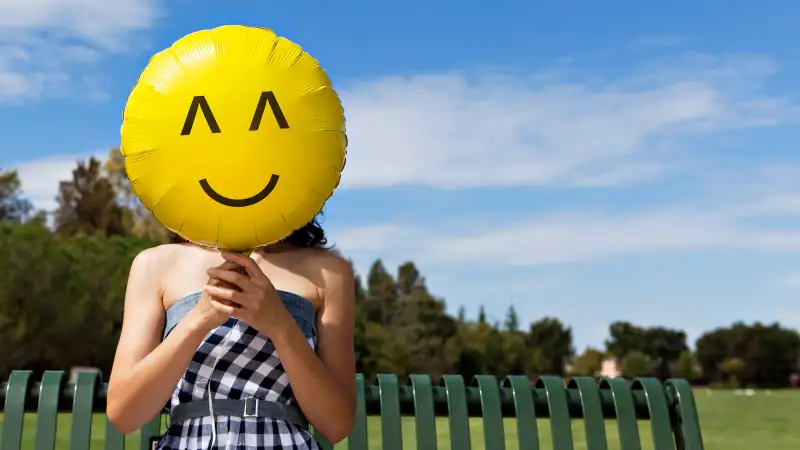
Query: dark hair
point(311, 235)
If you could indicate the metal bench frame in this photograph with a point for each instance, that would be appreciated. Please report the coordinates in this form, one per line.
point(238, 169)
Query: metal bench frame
point(669, 407)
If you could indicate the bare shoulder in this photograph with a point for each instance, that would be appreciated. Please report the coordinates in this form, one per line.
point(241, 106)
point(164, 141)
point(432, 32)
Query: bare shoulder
point(336, 272)
point(156, 258)
point(154, 263)
point(330, 263)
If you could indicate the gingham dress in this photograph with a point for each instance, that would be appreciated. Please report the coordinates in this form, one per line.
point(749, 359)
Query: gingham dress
point(248, 366)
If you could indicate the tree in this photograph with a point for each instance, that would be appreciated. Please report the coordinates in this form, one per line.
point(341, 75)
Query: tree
point(382, 294)
point(512, 320)
point(138, 220)
point(687, 366)
point(87, 204)
point(515, 355)
point(733, 367)
point(769, 353)
point(427, 333)
point(624, 338)
point(555, 342)
point(12, 206)
point(461, 317)
point(636, 364)
point(662, 345)
point(408, 278)
point(68, 311)
point(588, 363)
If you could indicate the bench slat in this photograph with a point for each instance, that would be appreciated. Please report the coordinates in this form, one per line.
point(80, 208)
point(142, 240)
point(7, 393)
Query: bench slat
point(626, 413)
point(82, 409)
point(687, 427)
point(592, 410)
point(493, 434)
point(527, 428)
point(560, 423)
point(659, 412)
point(14, 410)
point(358, 439)
point(391, 426)
point(47, 410)
point(457, 412)
point(424, 415)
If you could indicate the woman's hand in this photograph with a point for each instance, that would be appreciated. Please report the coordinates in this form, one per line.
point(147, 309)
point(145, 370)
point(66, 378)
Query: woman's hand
point(204, 315)
point(250, 296)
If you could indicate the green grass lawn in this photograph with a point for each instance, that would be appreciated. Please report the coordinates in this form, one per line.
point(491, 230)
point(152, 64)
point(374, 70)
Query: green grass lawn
point(729, 422)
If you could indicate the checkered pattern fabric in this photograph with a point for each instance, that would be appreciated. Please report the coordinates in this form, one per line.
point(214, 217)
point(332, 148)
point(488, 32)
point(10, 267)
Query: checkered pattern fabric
point(248, 366)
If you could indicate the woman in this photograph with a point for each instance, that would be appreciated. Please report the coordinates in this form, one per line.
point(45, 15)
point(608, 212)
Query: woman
point(246, 350)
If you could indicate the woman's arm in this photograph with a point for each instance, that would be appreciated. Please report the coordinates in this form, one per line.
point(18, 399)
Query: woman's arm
point(146, 371)
point(324, 385)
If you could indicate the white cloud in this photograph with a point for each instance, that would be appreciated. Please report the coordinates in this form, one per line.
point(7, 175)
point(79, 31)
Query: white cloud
point(99, 22)
point(733, 220)
point(41, 41)
point(454, 130)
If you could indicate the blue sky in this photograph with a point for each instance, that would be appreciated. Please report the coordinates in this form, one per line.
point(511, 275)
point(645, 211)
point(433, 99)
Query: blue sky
point(595, 162)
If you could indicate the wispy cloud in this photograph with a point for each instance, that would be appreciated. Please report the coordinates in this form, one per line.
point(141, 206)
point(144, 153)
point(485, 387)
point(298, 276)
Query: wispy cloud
point(457, 130)
point(43, 41)
point(733, 219)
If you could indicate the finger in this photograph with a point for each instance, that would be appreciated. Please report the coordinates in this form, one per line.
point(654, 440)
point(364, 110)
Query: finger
point(228, 265)
point(221, 283)
point(221, 293)
point(247, 263)
point(234, 278)
point(222, 307)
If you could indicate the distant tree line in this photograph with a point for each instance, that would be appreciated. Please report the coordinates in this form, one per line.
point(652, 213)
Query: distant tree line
point(62, 284)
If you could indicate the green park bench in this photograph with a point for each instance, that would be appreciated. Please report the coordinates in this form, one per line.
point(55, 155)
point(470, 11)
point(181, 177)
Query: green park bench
point(669, 408)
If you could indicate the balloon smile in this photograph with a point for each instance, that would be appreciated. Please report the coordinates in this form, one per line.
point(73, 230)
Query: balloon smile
point(239, 202)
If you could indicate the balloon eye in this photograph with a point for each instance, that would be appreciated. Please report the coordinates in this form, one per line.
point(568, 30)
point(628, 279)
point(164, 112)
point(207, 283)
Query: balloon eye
point(266, 98)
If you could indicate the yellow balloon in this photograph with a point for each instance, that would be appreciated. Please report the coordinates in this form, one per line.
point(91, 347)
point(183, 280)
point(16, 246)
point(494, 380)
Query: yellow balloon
point(234, 137)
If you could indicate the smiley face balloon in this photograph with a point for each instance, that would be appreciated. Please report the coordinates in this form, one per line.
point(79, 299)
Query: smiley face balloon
point(234, 137)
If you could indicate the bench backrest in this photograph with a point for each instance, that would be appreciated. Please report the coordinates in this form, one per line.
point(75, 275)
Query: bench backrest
point(669, 408)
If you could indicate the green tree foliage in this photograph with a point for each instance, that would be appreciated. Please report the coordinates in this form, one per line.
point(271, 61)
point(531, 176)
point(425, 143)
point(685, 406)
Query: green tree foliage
point(769, 352)
point(13, 207)
point(636, 364)
point(512, 320)
point(687, 366)
point(87, 204)
point(733, 367)
point(662, 345)
point(588, 363)
point(554, 340)
point(60, 297)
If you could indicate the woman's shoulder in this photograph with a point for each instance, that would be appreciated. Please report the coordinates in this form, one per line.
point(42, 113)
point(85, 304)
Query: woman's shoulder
point(326, 260)
point(166, 253)
point(335, 273)
point(162, 257)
